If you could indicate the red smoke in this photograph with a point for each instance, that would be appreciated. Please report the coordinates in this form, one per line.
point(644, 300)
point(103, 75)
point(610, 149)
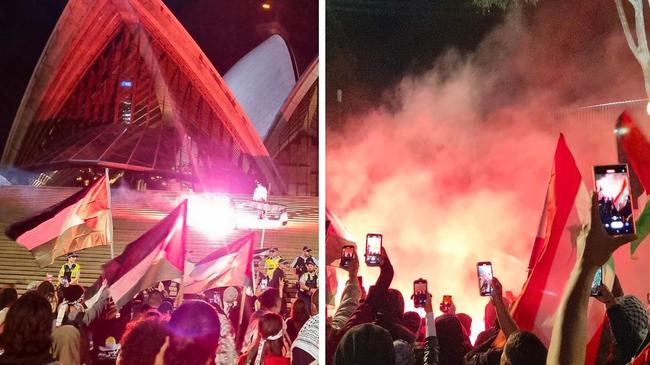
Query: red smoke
point(459, 173)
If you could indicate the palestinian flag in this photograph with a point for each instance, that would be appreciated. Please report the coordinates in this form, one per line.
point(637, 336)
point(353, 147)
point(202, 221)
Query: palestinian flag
point(566, 211)
point(157, 255)
point(634, 149)
point(336, 236)
point(227, 266)
point(81, 221)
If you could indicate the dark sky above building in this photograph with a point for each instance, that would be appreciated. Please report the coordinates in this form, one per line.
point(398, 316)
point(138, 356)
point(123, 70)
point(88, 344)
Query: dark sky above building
point(224, 29)
point(377, 42)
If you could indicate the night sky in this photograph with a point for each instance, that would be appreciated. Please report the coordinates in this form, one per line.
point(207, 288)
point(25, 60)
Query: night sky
point(371, 45)
point(225, 31)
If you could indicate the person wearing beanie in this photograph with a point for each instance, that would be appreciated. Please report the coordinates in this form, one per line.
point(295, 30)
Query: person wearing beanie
point(628, 322)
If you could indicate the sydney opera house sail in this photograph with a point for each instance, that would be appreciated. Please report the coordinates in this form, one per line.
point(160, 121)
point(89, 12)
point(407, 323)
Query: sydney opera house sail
point(292, 139)
point(122, 85)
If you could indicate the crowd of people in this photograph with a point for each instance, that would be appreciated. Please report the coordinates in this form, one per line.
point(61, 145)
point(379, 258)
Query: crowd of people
point(374, 328)
point(59, 324)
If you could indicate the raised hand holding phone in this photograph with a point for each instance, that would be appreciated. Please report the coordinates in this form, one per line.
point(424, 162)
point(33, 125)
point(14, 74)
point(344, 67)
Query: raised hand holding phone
point(485, 275)
point(605, 296)
point(374, 249)
point(614, 198)
point(599, 245)
point(353, 267)
point(497, 290)
point(428, 305)
point(420, 293)
point(347, 254)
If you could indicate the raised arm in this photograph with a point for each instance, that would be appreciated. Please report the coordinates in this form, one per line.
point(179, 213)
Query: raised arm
point(569, 340)
point(366, 312)
point(506, 322)
point(431, 347)
point(350, 298)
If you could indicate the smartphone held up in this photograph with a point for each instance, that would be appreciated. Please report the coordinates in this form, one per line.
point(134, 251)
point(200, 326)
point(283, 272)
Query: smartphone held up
point(484, 272)
point(373, 248)
point(420, 292)
point(445, 305)
point(598, 281)
point(347, 255)
point(614, 198)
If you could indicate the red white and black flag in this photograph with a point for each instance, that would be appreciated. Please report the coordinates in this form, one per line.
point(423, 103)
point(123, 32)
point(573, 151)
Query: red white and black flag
point(566, 212)
point(227, 266)
point(81, 221)
point(157, 255)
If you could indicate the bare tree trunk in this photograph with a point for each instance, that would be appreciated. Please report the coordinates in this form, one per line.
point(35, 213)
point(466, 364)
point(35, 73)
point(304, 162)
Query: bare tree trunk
point(640, 48)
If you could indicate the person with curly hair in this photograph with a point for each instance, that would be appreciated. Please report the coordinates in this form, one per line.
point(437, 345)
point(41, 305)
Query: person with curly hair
point(27, 337)
point(141, 342)
point(270, 347)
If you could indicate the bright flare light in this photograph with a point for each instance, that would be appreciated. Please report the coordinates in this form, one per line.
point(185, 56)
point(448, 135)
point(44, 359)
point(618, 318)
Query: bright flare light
point(266, 6)
point(214, 215)
point(647, 108)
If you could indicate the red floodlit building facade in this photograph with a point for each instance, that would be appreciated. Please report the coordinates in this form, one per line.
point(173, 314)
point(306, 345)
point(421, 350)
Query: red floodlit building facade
point(122, 85)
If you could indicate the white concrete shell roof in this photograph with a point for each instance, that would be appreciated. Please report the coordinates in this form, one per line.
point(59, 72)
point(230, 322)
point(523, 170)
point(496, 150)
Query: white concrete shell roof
point(262, 80)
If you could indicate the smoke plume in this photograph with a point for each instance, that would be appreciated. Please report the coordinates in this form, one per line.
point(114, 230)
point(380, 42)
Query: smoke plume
point(458, 173)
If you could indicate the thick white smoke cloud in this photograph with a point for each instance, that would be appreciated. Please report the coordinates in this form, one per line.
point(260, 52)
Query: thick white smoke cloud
point(458, 174)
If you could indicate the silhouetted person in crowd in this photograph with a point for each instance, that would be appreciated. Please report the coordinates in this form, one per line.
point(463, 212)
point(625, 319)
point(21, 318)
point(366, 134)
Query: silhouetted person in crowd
point(452, 339)
point(269, 347)
point(27, 336)
point(628, 322)
point(466, 321)
point(523, 348)
point(365, 344)
point(194, 335)
point(412, 321)
point(142, 342)
point(299, 315)
point(7, 298)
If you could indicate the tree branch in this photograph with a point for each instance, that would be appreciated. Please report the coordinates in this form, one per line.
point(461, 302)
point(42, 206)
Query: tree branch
point(626, 29)
point(642, 46)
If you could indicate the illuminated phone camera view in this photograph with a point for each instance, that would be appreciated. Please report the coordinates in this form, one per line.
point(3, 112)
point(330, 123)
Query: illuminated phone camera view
point(347, 253)
point(420, 293)
point(614, 201)
point(598, 279)
point(484, 278)
point(373, 250)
